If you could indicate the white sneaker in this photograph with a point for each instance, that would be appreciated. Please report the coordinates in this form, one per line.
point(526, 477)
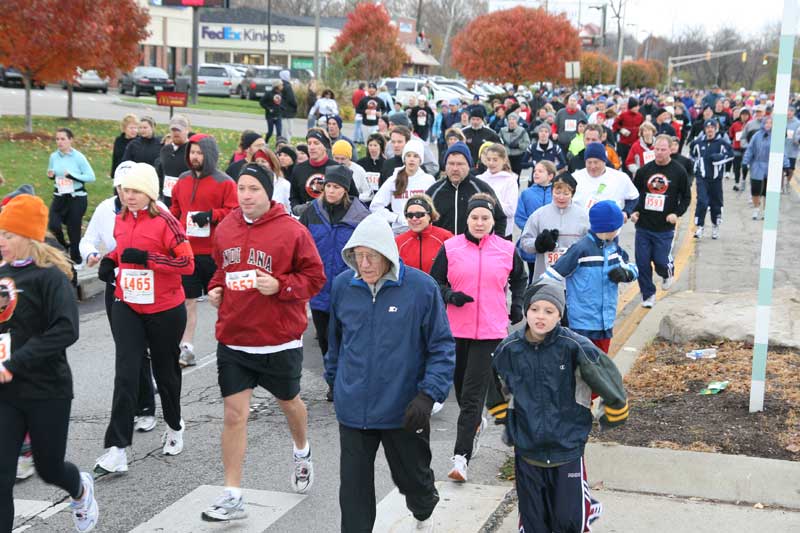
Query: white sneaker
point(459, 470)
point(303, 476)
point(715, 231)
point(436, 407)
point(650, 302)
point(698, 234)
point(115, 460)
point(667, 283)
point(476, 440)
point(425, 525)
point(173, 440)
point(224, 509)
point(755, 213)
point(144, 423)
point(25, 467)
point(187, 357)
point(85, 511)
point(750, 201)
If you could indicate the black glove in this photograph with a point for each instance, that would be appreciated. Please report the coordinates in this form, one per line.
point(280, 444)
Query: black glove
point(134, 255)
point(201, 218)
point(516, 315)
point(546, 241)
point(620, 275)
point(418, 413)
point(459, 298)
point(105, 271)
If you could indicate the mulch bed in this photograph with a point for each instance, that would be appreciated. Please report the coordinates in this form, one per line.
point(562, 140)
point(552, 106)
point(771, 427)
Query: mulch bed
point(25, 136)
point(668, 412)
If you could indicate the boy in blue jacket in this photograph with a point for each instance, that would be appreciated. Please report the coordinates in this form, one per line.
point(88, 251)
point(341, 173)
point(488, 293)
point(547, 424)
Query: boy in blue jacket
point(592, 268)
point(549, 373)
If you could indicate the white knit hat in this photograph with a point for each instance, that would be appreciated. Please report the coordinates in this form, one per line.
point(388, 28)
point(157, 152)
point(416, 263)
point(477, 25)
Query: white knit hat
point(142, 177)
point(121, 171)
point(416, 146)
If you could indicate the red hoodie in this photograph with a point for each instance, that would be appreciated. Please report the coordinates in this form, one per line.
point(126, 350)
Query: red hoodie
point(279, 245)
point(207, 190)
point(629, 120)
point(418, 250)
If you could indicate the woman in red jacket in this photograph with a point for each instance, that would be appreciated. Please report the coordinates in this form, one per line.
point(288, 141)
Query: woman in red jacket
point(151, 255)
point(420, 244)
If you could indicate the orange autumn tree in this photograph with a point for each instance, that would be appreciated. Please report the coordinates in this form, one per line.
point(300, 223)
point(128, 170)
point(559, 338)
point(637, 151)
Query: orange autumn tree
point(369, 40)
point(596, 69)
point(516, 45)
point(48, 39)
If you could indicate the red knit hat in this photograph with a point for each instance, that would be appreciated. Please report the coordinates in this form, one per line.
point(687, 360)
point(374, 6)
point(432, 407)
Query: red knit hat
point(26, 216)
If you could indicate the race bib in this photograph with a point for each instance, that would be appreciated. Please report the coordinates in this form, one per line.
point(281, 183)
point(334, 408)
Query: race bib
point(570, 125)
point(374, 178)
point(138, 286)
point(591, 201)
point(555, 255)
point(422, 118)
point(648, 118)
point(654, 202)
point(371, 114)
point(169, 183)
point(738, 135)
point(193, 230)
point(5, 347)
point(65, 185)
point(649, 156)
point(241, 281)
point(790, 134)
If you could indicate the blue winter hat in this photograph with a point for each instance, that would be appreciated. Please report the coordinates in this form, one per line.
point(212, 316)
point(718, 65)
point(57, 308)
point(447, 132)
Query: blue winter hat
point(337, 118)
point(711, 122)
point(459, 148)
point(605, 216)
point(595, 151)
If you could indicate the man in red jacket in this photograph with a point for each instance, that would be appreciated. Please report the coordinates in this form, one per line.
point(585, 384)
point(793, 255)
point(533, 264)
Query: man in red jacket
point(201, 198)
point(627, 125)
point(269, 269)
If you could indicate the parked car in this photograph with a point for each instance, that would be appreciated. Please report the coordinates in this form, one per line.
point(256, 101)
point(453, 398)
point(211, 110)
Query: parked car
point(404, 88)
point(146, 80)
point(87, 80)
point(237, 75)
point(212, 80)
point(257, 80)
point(9, 77)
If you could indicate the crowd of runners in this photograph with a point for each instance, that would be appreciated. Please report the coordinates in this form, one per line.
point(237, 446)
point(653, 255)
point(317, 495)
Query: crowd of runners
point(430, 262)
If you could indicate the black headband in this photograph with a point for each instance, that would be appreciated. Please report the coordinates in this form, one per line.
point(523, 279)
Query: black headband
point(420, 202)
point(320, 137)
point(480, 202)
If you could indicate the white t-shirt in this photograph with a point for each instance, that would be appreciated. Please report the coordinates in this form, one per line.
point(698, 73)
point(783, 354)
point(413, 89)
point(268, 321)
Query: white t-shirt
point(392, 208)
point(611, 185)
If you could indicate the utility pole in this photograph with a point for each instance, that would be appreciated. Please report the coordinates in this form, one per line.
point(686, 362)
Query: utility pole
point(316, 38)
point(195, 53)
point(419, 16)
point(619, 13)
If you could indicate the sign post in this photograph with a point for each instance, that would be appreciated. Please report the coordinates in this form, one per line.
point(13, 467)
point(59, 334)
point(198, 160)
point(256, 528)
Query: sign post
point(171, 99)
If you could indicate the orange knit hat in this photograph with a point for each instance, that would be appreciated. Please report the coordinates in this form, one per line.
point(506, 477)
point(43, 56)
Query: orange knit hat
point(26, 216)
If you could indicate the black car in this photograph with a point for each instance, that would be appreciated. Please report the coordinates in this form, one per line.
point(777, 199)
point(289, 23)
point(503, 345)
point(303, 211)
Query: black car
point(9, 77)
point(146, 80)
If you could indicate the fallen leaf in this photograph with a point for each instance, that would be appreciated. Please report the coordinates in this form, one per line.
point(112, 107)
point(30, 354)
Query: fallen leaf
point(794, 448)
point(758, 506)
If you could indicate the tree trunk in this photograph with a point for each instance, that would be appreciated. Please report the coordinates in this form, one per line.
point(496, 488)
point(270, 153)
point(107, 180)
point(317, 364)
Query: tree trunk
point(28, 118)
point(70, 115)
point(446, 43)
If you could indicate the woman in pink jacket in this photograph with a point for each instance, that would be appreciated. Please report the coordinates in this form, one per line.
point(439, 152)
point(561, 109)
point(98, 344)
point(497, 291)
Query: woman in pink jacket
point(473, 270)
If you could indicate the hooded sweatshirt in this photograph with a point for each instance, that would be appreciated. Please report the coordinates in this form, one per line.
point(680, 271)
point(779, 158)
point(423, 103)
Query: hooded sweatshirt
point(505, 187)
point(209, 189)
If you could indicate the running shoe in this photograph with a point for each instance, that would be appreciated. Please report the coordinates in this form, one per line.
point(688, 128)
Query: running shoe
point(144, 423)
point(755, 213)
point(329, 394)
point(476, 440)
point(649, 302)
point(715, 231)
point(187, 357)
point(25, 466)
point(425, 525)
point(115, 460)
point(459, 470)
point(698, 233)
point(667, 283)
point(437, 406)
point(85, 511)
point(226, 508)
point(303, 476)
point(173, 440)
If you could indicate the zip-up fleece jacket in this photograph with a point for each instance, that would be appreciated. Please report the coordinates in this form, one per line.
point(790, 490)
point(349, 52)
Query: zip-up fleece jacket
point(710, 156)
point(143, 150)
point(550, 385)
point(278, 245)
point(639, 155)
point(169, 256)
point(591, 296)
point(331, 227)
point(572, 224)
point(516, 141)
point(451, 203)
point(42, 317)
point(418, 250)
point(208, 190)
point(482, 269)
point(535, 153)
point(387, 341)
point(629, 120)
point(757, 155)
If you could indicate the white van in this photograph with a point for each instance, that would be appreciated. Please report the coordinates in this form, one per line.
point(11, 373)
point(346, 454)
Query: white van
point(403, 89)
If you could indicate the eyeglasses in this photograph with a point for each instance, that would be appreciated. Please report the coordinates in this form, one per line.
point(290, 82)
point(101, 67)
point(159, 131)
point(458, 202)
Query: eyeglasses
point(416, 215)
point(371, 258)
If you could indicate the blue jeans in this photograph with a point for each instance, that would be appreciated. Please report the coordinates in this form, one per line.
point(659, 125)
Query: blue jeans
point(709, 195)
point(358, 134)
point(652, 247)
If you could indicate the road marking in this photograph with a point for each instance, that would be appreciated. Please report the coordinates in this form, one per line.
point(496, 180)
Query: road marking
point(462, 507)
point(30, 509)
point(212, 357)
point(263, 508)
point(92, 99)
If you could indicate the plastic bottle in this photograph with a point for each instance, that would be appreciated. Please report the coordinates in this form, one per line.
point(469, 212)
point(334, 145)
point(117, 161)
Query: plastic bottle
point(706, 353)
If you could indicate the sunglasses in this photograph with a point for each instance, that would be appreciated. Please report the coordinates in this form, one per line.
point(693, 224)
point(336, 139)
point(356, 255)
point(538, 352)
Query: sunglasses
point(416, 215)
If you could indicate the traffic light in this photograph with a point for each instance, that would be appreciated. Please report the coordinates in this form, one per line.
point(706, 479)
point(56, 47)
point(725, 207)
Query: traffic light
point(744, 56)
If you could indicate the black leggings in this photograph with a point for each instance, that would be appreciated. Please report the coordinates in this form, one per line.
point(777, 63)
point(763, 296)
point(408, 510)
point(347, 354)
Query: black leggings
point(146, 405)
point(133, 333)
point(738, 168)
point(68, 211)
point(321, 319)
point(47, 421)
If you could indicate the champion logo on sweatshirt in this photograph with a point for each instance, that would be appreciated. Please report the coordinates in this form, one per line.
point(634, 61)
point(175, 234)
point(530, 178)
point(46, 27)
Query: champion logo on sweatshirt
point(392, 309)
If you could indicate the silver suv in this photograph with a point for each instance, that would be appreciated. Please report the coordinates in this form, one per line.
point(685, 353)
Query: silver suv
point(212, 80)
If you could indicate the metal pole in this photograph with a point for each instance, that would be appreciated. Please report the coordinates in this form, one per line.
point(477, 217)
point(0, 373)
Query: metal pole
point(316, 39)
point(269, 32)
point(621, 38)
point(603, 38)
point(195, 53)
point(770, 229)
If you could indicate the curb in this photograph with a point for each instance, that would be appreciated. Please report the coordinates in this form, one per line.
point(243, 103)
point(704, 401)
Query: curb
point(89, 283)
point(190, 110)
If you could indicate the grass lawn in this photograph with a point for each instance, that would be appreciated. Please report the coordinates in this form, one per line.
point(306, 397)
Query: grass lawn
point(217, 103)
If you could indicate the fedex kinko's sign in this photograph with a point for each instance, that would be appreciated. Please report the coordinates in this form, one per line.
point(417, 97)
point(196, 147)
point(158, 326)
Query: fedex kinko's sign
point(228, 33)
